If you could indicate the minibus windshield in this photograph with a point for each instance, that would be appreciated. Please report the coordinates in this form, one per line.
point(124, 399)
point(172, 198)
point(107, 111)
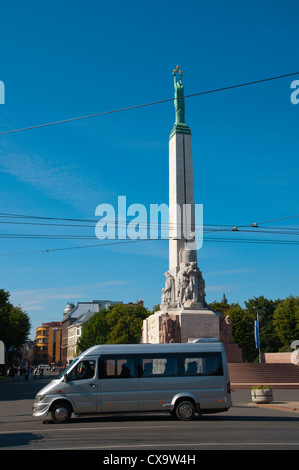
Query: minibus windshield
point(68, 368)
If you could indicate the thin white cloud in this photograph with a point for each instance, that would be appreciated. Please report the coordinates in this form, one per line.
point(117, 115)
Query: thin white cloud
point(39, 299)
point(59, 182)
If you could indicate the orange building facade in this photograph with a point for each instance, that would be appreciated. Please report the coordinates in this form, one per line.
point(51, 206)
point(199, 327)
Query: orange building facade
point(48, 343)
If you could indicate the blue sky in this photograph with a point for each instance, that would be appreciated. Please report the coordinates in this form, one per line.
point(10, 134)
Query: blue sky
point(61, 60)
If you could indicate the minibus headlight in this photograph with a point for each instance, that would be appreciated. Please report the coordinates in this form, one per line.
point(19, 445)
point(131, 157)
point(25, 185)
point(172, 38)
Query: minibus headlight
point(39, 397)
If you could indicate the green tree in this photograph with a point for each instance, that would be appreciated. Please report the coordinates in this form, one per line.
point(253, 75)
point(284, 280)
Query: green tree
point(120, 324)
point(125, 322)
point(14, 325)
point(219, 307)
point(265, 308)
point(156, 308)
point(286, 320)
point(242, 329)
point(94, 331)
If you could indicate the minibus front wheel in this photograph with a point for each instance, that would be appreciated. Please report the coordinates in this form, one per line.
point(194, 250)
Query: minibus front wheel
point(185, 410)
point(61, 412)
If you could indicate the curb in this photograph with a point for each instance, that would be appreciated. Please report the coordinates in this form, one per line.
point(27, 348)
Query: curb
point(287, 407)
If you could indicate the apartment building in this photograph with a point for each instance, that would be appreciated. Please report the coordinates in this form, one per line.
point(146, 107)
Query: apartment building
point(48, 343)
point(73, 318)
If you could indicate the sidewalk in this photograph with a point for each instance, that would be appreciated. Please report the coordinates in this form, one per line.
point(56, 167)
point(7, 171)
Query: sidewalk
point(283, 399)
point(280, 405)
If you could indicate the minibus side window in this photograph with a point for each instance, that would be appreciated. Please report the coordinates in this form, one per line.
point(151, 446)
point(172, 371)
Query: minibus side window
point(117, 368)
point(203, 364)
point(83, 370)
point(158, 367)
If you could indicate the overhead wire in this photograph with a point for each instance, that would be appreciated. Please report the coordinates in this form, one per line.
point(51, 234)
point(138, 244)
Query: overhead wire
point(128, 108)
point(26, 216)
point(263, 242)
point(262, 231)
point(199, 228)
point(118, 242)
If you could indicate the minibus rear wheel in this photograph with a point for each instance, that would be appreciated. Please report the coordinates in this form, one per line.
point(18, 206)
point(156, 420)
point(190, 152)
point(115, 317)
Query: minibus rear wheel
point(61, 412)
point(185, 410)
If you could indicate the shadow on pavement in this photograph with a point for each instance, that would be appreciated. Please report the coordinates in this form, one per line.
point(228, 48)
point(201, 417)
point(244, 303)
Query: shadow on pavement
point(18, 439)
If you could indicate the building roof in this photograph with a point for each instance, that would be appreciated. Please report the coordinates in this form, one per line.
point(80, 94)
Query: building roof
point(84, 310)
point(84, 317)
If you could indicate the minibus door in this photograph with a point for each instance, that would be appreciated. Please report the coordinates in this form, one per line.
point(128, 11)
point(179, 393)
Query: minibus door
point(81, 386)
point(118, 384)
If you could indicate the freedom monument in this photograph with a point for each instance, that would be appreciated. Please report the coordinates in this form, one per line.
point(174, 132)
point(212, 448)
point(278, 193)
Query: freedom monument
point(183, 314)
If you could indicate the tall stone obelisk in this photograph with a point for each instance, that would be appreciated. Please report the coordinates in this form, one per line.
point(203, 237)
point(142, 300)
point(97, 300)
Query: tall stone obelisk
point(181, 187)
point(183, 314)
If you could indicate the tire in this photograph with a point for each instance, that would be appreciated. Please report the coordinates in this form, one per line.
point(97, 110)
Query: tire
point(61, 413)
point(185, 410)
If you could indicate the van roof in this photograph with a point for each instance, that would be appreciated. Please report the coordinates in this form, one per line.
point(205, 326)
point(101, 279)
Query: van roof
point(153, 348)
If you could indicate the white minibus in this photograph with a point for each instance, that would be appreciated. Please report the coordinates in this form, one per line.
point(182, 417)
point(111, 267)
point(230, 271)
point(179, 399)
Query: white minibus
point(180, 378)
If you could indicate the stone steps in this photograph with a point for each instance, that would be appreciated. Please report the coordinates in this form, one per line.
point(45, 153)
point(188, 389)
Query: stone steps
point(245, 375)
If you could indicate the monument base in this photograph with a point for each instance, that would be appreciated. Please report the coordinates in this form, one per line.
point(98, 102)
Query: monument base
point(233, 353)
point(199, 323)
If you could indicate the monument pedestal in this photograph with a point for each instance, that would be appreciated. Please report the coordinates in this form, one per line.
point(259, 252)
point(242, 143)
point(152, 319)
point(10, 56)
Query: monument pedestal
point(198, 324)
point(233, 353)
point(192, 324)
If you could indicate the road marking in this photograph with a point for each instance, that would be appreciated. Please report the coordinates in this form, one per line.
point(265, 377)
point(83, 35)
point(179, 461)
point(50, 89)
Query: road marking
point(177, 445)
point(44, 431)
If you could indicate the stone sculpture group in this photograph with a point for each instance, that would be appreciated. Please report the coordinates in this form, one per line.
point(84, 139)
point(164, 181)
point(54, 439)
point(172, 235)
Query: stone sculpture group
point(187, 286)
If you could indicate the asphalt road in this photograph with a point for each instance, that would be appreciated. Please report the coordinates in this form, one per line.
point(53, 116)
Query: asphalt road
point(243, 427)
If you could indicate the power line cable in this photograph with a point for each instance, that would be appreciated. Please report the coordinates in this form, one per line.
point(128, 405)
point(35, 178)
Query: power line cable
point(149, 228)
point(217, 240)
point(216, 90)
point(228, 229)
point(24, 216)
point(202, 228)
point(159, 234)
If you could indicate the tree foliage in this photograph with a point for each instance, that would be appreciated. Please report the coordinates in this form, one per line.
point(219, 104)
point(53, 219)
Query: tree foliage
point(125, 323)
point(286, 320)
point(277, 320)
point(94, 331)
point(120, 324)
point(14, 325)
point(242, 326)
point(265, 309)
